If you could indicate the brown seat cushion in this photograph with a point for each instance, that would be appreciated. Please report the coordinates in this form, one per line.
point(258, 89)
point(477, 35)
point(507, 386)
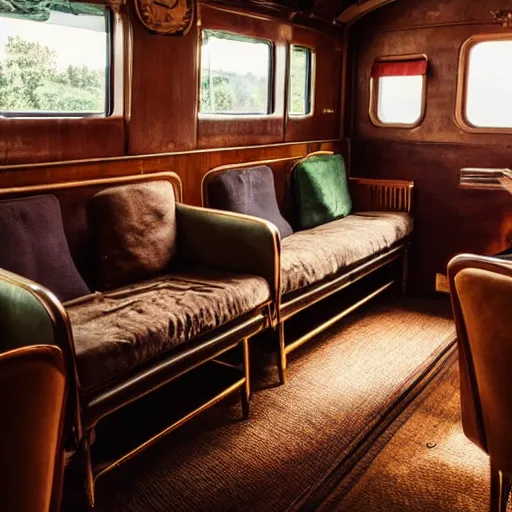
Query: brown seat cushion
point(121, 330)
point(34, 245)
point(308, 257)
point(135, 231)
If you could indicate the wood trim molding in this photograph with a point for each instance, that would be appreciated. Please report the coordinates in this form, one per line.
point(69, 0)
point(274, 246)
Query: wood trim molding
point(171, 177)
point(150, 156)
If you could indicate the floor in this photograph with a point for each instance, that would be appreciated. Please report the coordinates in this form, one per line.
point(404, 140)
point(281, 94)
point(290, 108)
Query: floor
point(346, 390)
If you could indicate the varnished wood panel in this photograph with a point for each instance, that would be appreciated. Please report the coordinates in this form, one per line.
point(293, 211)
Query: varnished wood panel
point(442, 46)
point(190, 166)
point(325, 118)
point(448, 219)
point(164, 91)
point(46, 140)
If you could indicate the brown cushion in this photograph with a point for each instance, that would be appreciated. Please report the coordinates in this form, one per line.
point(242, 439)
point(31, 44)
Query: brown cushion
point(34, 245)
point(121, 330)
point(135, 231)
point(311, 256)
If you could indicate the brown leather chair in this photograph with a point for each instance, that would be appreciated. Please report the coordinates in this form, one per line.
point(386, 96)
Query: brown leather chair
point(481, 290)
point(33, 391)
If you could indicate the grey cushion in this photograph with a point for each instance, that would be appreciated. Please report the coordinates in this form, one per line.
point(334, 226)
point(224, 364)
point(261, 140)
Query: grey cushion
point(121, 330)
point(250, 191)
point(34, 245)
point(308, 257)
point(135, 231)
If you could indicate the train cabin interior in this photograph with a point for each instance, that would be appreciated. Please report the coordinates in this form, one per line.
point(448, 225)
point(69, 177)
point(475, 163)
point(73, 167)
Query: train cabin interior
point(255, 255)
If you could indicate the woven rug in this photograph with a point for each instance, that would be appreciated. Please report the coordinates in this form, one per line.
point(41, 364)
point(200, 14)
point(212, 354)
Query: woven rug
point(427, 466)
point(341, 386)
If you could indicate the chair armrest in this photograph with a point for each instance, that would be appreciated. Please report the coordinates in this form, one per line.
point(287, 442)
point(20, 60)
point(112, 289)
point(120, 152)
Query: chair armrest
point(381, 195)
point(32, 315)
point(233, 242)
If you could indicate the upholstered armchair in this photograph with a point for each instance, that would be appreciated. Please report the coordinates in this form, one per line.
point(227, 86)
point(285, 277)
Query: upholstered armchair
point(481, 291)
point(33, 389)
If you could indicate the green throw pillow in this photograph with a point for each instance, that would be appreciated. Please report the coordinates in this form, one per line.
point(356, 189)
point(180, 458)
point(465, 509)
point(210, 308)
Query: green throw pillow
point(320, 190)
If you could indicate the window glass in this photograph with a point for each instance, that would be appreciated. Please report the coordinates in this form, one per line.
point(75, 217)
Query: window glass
point(300, 81)
point(55, 64)
point(489, 82)
point(235, 74)
point(399, 99)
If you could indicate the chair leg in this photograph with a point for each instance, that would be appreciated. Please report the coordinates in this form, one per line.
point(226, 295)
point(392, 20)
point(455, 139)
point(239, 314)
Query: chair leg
point(246, 389)
point(500, 488)
point(89, 477)
point(281, 356)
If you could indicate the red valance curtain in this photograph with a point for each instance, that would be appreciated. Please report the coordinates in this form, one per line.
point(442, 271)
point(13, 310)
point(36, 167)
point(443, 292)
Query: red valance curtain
point(413, 67)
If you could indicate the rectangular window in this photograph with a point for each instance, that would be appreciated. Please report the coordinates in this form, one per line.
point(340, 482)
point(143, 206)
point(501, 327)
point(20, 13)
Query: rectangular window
point(235, 74)
point(300, 81)
point(398, 91)
point(55, 61)
point(488, 78)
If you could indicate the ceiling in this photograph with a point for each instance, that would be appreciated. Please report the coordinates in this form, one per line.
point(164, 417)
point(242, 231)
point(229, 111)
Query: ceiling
point(327, 10)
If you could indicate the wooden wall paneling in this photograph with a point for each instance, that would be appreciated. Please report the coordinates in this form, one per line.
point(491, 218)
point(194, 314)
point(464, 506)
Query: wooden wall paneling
point(190, 166)
point(164, 91)
point(225, 131)
point(442, 45)
point(448, 219)
point(323, 123)
point(46, 140)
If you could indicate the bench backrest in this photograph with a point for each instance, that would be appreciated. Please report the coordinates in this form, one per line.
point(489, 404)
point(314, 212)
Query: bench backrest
point(73, 197)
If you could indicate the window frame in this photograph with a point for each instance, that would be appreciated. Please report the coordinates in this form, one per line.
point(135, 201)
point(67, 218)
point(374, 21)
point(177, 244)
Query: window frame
point(374, 93)
point(271, 104)
point(111, 25)
point(462, 83)
point(310, 81)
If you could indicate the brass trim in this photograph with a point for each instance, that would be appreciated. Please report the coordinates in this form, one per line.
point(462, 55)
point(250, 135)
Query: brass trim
point(217, 398)
point(276, 241)
point(171, 177)
point(63, 338)
point(322, 327)
point(462, 83)
point(245, 390)
point(162, 383)
point(128, 71)
point(374, 94)
point(383, 260)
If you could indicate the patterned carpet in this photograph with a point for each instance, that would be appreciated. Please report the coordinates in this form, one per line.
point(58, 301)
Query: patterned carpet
point(300, 437)
point(427, 466)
